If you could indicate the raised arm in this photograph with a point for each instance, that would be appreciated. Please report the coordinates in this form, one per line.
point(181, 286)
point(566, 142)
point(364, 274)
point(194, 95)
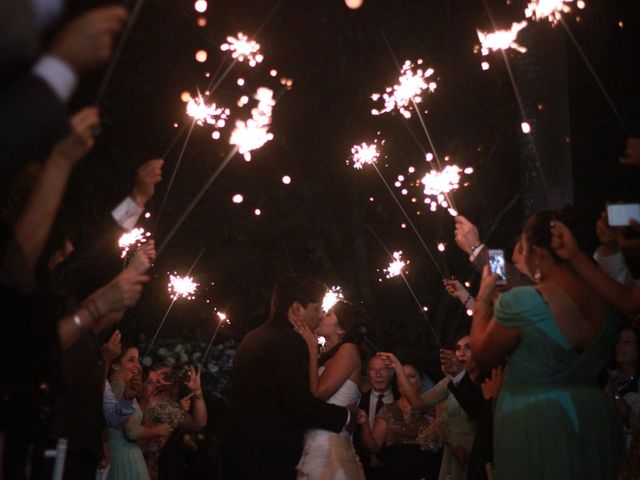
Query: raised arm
point(625, 300)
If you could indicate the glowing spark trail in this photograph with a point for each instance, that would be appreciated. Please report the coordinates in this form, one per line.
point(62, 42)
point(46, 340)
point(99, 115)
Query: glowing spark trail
point(501, 39)
point(364, 154)
point(552, 10)
point(222, 320)
point(242, 48)
point(131, 238)
point(331, 298)
point(254, 133)
point(407, 91)
point(182, 287)
point(395, 267)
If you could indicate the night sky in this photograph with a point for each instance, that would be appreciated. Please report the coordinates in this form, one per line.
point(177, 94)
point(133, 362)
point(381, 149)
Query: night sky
point(321, 223)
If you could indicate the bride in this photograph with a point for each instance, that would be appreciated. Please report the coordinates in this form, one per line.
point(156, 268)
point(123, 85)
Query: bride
point(335, 378)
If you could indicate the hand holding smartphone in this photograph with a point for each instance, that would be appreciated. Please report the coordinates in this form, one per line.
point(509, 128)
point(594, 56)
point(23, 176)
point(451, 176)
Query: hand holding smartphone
point(497, 265)
point(620, 215)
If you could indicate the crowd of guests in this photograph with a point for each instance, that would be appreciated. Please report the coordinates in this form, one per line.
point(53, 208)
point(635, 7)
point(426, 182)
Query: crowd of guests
point(545, 384)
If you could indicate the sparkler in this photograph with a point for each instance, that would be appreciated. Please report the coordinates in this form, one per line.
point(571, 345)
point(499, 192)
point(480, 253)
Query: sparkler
point(243, 48)
point(407, 91)
point(396, 257)
point(364, 154)
point(397, 264)
point(501, 39)
point(333, 295)
point(552, 10)
point(222, 320)
point(203, 113)
point(132, 238)
point(253, 133)
point(182, 288)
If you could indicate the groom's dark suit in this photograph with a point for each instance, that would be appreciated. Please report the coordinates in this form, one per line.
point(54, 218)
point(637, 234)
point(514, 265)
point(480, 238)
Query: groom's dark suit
point(271, 405)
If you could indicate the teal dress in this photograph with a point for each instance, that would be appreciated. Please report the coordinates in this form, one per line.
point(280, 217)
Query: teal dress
point(552, 421)
point(127, 461)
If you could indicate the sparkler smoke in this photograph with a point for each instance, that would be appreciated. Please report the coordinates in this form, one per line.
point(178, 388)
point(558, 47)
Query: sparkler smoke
point(422, 309)
point(397, 264)
point(243, 48)
point(222, 320)
point(552, 10)
point(130, 239)
point(254, 133)
point(408, 91)
point(501, 39)
point(333, 295)
point(182, 287)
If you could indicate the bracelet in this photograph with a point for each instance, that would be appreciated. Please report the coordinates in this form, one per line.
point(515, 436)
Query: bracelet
point(469, 297)
point(475, 251)
point(197, 395)
point(78, 322)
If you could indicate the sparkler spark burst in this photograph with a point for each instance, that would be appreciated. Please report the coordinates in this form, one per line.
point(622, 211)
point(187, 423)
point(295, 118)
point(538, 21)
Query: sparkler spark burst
point(395, 267)
point(131, 238)
point(182, 287)
point(409, 89)
point(364, 154)
point(224, 320)
point(552, 10)
point(501, 39)
point(437, 184)
point(242, 48)
point(331, 298)
point(254, 133)
point(203, 113)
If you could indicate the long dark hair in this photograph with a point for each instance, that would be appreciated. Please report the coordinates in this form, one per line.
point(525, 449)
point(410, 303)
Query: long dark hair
point(353, 319)
point(537, 230)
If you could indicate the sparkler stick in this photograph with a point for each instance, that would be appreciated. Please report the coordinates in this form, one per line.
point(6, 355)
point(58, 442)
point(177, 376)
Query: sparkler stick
point(166, 314)
point(448, 196)
point(406, 282)
point(520, 105)
point(116, 54)
point(197, 198)
point(222, 320)
point(596, 77)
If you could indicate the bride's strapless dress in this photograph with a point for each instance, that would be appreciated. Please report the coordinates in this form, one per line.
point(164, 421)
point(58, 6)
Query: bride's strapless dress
point(328, 455)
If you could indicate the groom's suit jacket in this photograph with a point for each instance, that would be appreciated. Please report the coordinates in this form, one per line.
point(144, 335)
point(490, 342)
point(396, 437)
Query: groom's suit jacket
point(271, 405)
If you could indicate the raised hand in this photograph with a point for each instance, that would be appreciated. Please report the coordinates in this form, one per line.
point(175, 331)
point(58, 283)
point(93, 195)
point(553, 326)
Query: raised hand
point(449, 363)
point(456, 289)
point(144, 256)
point(86, 42)
point(390, 360)
point(148, 176)
point(563, 242)
point(193, 383)
point(74, 147)
point(466, 234)
point(112, 348)
point(185, 403)
point(491, 386)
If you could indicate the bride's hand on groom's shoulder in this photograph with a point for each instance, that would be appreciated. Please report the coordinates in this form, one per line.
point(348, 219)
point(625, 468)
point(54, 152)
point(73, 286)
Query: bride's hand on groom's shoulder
point(306, 333)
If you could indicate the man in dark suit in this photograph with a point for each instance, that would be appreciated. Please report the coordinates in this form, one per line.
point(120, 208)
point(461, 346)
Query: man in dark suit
point(380, 394)
point(271, 405)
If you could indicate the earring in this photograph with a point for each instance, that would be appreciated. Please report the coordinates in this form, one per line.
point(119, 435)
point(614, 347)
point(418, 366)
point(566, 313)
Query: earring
point(537, 275)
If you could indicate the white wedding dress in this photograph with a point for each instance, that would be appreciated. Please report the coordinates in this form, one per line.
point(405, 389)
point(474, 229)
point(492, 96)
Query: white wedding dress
point(328, 455)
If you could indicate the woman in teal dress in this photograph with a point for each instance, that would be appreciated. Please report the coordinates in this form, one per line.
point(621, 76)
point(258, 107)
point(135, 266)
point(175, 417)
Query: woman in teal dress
point(127, 461)
point(552, 420)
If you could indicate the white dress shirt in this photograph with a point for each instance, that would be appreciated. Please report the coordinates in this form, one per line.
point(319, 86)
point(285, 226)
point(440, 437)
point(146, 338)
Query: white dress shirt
point(127, 213)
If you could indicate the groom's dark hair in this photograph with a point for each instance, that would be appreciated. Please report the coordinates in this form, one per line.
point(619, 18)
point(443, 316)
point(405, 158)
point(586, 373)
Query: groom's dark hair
point(294, 288)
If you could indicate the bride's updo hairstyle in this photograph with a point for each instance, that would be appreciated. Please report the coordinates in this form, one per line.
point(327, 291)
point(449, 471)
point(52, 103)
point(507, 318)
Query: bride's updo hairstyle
point(537, 230)
point(353, 319)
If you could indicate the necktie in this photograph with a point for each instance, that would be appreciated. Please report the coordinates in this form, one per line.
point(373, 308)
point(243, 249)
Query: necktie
point(379, 402)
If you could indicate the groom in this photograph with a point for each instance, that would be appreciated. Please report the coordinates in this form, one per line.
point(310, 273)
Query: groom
point(271, 405)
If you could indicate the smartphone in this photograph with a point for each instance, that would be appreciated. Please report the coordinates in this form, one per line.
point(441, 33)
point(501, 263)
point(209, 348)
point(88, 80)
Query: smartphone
point(497, 265)
point(619, 215)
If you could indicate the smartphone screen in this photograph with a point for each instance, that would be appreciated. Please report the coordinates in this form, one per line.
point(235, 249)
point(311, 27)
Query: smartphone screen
point(497, 265)
point(620, 215)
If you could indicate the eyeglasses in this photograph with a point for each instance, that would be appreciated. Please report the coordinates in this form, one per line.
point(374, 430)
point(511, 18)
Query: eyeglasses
point(626, 340)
